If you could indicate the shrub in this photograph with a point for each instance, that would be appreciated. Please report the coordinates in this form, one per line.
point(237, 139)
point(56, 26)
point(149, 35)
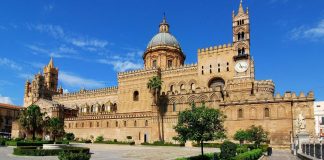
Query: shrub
point(129, 137)
point(241, 149)
point(3, 141)
point(116, 142)
point(69, 136)
point(228, 150)
point(39, 139)
point(73, 156)
point(99, 139)
point(11, 143)
point(250, 155)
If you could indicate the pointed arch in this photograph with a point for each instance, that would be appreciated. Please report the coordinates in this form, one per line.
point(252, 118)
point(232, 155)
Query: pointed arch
point(192, 99)
point(253, 113)
point(203, 98)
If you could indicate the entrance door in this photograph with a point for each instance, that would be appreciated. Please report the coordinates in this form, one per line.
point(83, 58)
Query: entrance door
point(145, 138)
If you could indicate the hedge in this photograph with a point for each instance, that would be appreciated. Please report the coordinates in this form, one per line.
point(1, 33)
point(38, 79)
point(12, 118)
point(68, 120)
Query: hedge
point(73, 156)
point(36, 151)
point(207, 156)
point(162, 143)
point(250, 155)
point(210, 145)
point(115, 142)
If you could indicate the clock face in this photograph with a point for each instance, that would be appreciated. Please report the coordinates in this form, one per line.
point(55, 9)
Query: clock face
point(241, 66)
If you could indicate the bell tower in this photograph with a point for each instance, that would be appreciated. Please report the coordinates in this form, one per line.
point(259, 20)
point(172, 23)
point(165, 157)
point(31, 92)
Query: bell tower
point(51, 76)
point(241, 32)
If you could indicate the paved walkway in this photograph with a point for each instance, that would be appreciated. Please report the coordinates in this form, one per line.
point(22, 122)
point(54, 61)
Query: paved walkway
point(120, 152)
point(282, 155)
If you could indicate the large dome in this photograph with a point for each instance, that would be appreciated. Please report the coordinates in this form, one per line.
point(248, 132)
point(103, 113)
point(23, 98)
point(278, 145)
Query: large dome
point(163, 39)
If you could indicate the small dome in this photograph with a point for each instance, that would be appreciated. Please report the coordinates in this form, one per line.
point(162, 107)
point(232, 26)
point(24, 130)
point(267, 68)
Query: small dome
point(163, 38)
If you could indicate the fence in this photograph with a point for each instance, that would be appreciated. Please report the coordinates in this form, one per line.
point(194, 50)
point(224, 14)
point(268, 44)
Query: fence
point(312, 151)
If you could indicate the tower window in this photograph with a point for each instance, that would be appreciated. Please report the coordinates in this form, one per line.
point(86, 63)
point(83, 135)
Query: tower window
point(146, 123)
point(240, 113)
point(125, 123)
point(174, 107)
point(171, 88)
point(169, 63)
point(107, 124)
point(116, 124)
point(241, 51)
point(154, 64)
point(242, 35)
point(136, 96)
point(227, 67)
point(202, 70)
point(90, 124)
point(210, 68)
point(266, 112)
point(135, 123)
point(97, 124)
point(82, 124)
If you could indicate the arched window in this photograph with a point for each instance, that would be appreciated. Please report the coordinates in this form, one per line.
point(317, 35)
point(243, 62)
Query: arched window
point(107, 124)
point(239, 36)
point(82, 124)
point(202, 70)
point(76, 125)
point(192, 86)
point(182, 87)
point(227, 66)
point(169, 63)
point(174, 107)
point(242, 35)
point(240, 113)
point(266, 112)
point(135, 123)
point(135, 96)
point(116, 123)
point(125, 123)
point(210, 68)
point(103, 108)
point(171, 88)
point(91, 109)
point(146, 123)
point(97, 124)
point(154, 64)
point(90, 124)
point(216, 82)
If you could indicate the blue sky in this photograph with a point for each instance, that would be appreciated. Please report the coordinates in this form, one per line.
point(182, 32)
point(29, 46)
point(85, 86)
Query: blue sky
point(91, 41)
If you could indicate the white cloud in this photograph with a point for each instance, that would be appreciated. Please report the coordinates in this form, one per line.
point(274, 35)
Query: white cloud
point(312, 33)
point(75, 81)
point(26, 76)
point(6, 100)
point(9, 63)
point(78, 41)
point(121, 66)
point(56, 53)
point(49, 7)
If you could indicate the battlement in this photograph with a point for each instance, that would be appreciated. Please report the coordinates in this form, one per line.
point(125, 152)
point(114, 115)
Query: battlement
point(82, 92)
point(292, 95)
point(215, 49)
point(183, 68)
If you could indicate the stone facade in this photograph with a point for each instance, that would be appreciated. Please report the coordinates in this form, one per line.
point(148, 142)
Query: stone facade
point(223, 78)
point(8, 114)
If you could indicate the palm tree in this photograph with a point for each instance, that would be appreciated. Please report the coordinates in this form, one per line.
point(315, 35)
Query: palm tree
point(31, 119)
point(55, 126)
point(154, 85)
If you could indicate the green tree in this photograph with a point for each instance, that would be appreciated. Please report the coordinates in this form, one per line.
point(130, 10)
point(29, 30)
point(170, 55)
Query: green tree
point(200, 124)
point(241, 135)
point(56, 127)
point(154, 84)
point(31, 119)
point(257, 135)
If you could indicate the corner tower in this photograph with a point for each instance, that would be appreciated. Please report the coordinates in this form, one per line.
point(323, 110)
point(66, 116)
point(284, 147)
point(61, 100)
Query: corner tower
point(163, 51)
point(51, 76)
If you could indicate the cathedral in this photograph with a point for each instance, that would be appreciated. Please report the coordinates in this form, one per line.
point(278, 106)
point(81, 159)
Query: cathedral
point(223, 78)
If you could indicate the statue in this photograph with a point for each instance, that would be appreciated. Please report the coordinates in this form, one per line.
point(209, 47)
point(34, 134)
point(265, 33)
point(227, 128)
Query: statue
point(301, 123)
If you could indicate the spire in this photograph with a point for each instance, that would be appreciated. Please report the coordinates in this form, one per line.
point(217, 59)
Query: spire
point(164, 26)
point(241, 10)
point(51, 64)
